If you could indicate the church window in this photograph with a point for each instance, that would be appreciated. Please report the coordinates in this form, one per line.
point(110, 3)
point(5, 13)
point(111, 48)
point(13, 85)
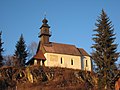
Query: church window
point(86, 63)
point(35, 62)
point(61, 60)
point(71, 61)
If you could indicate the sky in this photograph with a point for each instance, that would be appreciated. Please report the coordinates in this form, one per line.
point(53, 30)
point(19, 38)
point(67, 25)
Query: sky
point(71, 21)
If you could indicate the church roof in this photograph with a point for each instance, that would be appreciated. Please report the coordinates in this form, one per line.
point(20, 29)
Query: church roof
point(39, 55)
point(68, 49)
point(83, 52)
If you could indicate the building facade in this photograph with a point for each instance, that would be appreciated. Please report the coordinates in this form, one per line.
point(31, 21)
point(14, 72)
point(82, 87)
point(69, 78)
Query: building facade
point(62, 55)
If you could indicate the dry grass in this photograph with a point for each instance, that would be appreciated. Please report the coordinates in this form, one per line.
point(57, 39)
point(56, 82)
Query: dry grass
point(45, 78)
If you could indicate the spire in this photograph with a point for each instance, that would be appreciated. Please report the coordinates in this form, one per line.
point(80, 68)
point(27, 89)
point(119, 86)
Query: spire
point(44, 31)
point(45, 21)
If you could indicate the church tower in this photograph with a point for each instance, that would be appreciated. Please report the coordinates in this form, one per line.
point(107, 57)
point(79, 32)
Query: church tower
point(44, 32)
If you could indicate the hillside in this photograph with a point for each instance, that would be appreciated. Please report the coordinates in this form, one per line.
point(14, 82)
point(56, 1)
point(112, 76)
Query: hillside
point(44, 78)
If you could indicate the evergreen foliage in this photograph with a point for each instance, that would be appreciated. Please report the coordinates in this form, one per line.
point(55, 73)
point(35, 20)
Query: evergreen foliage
point(1, 50)
point(21, 52)
point(104, 51)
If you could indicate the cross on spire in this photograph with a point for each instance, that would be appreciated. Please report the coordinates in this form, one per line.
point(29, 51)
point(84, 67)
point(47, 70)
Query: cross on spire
point(45, 14)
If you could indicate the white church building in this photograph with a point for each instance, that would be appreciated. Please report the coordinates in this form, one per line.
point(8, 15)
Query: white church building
point(52, 54)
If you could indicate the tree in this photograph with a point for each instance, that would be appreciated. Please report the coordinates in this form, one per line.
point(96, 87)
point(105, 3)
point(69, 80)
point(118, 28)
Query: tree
point(104, 51)
point(32, 48)
point(10, 60)
point(21, 52)
point(1, 50)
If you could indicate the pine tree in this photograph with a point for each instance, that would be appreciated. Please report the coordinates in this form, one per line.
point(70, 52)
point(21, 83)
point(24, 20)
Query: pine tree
point(104, 51)
point(21, 52)
point(1, 50)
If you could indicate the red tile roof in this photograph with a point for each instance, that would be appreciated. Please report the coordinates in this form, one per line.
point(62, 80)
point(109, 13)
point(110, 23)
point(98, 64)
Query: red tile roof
point(39, 55)
point(64, 49)
point(83, 52)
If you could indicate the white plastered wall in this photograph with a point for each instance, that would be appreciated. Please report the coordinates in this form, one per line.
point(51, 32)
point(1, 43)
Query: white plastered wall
point(87, 67)
point(54, 60)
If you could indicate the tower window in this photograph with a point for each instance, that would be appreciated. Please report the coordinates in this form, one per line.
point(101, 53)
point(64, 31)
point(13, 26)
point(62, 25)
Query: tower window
point(86, 63)
point(35, 62)
point(71, 61)
point(61, 60)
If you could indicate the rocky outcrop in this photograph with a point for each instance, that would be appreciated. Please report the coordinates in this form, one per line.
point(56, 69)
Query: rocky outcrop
point(39, 78)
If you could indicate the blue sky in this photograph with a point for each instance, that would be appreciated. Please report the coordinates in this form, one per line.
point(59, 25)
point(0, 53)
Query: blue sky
point(71, 21)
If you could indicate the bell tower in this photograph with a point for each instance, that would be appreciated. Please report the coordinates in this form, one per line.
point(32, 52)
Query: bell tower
point(44, 32)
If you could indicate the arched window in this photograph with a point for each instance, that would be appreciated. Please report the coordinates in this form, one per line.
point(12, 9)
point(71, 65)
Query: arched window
point(61, 60)
point(86, 63)
point(71, 61)
point(35, 62)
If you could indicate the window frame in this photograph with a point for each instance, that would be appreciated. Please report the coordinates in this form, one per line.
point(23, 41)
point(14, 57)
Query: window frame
point(61, 60)
point(86, 63)
point(72, 62)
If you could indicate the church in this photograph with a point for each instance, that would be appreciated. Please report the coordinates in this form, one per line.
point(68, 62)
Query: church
point(52, 54)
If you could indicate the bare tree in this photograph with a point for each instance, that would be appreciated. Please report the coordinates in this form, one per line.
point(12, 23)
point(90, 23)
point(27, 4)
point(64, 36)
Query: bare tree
point(32, 48)
point(9, 61)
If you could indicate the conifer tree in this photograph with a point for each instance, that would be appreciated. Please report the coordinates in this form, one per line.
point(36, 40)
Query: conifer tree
point(104, 51)
point(1, 50)
point(21, 52)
